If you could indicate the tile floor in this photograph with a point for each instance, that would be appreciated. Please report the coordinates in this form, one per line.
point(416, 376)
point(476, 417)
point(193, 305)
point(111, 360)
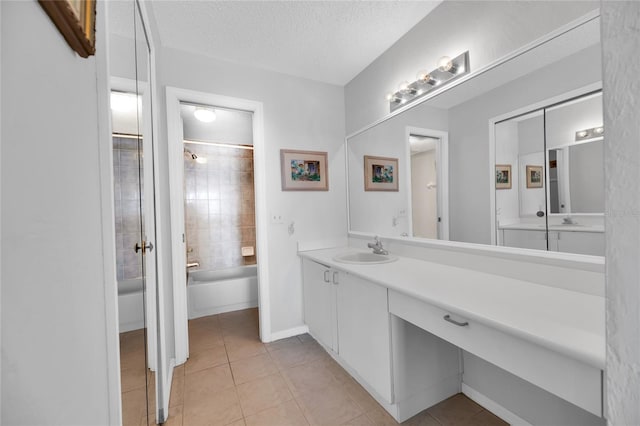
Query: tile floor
point(232, 378)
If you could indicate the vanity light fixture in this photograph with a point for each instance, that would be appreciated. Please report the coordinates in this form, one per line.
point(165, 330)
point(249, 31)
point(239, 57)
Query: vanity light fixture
point(594, 132)
point(426, 81)
point(206, 115)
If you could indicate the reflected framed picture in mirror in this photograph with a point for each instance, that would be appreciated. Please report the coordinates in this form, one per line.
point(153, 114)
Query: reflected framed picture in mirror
point(304, 170)
point(534, 176)
point(503, 176)
point(380, 173)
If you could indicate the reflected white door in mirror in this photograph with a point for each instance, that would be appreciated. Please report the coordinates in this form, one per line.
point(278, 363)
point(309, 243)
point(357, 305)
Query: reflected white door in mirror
point(549, 176)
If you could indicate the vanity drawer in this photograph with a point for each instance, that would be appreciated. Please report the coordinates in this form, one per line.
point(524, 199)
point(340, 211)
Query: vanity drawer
point(572, 380)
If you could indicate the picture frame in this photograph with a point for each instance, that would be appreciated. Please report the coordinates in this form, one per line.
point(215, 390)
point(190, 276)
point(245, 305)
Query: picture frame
point(76, 21)
point(504, 177)
point(380, 173)
point(535, 176)
point(304, 170)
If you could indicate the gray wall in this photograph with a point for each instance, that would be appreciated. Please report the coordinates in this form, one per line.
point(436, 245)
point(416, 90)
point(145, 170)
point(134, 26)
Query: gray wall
point(488, 29)
point(54, 327)
point(620, 35)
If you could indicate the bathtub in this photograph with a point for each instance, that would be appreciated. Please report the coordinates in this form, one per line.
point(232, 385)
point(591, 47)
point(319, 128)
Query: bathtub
point(224, 290)
point(130, 309)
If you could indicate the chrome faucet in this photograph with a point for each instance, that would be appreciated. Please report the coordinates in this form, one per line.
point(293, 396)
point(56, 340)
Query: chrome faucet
point(377, 246)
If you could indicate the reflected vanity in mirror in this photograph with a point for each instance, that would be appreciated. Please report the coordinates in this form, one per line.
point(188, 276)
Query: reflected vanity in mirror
point(473, 126)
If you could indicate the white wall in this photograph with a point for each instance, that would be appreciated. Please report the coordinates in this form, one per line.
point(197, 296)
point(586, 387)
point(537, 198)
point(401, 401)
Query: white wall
point(54, 350)
point(620, 35)
point(488, 29)
point(298, 114)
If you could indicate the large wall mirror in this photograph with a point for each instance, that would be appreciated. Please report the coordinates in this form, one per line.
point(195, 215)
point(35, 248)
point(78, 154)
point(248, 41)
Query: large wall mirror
point(446, 150)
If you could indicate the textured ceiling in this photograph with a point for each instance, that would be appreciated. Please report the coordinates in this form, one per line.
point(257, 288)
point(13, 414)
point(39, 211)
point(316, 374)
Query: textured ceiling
point(329, 41)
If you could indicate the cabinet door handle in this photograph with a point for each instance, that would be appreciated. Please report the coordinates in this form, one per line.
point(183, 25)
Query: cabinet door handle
point(335, 277)
point(326, 276)
point(452, 321)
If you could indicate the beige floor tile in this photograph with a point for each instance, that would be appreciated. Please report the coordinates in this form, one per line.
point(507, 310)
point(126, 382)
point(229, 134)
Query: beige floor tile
point(310, 377)
point(205, 384)
point(177, 389)
point(361, 420)
point(200, 339)
point(133, 359)
point(206, 358)
point(380, 417)
point(283, 344)
point(305, 338)
point(221, 408)
point(486, 418)
point(175, 416)
point(245, 349)
point(240, 422)
point(248, 369)
point(133, 378)
point(301, 354)
point(263, 393)
point(286, 414)
point(208, 322)
point(134, 406)
point(455, 410)
point(361, 397)
point(330, 407)
point(421, 419)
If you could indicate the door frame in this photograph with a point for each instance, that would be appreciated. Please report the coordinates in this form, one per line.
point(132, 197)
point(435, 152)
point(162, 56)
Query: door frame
point(174, 96)
point(442, 176)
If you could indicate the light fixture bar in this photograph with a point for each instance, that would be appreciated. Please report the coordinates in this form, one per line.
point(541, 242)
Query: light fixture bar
point(428, 81)
point(594, 132)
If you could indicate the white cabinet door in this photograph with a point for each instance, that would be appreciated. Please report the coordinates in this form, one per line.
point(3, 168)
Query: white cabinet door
point(363, 331)
point(525, 239)
point(581, 242)
point(320, 303)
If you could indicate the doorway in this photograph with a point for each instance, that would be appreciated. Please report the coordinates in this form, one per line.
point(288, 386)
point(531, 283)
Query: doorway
point(428, 205)
point(236, 236)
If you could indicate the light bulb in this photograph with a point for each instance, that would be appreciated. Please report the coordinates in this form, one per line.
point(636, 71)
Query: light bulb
point(445, 64)
point(391, 97)
point(423, 76)
point(582, 133)
point(403, 87)
point(599, 130)
point(205, 115)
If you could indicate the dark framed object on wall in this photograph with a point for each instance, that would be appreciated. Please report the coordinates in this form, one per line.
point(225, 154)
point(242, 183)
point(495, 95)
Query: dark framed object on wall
point(76, 21)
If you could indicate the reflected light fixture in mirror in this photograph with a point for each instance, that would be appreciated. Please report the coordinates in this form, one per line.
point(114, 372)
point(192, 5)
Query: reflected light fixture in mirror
point(448, 70)
point(198, 159)
point(123, 102)
point(205, 115)
point(594, 132)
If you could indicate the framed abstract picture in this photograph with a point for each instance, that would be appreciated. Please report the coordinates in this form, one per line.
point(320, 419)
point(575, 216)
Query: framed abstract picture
point(534, 176)
point(304, 170)
point(380, 173)
point(503, 176)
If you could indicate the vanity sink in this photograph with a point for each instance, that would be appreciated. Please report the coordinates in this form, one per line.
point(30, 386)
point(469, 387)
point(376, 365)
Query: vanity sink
point(364, 258)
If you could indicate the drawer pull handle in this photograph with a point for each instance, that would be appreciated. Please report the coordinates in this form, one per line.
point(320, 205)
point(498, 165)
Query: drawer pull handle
point(452, 321)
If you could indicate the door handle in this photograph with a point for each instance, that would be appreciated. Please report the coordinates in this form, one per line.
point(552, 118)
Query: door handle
point(452, 321)
point(335, 277)
point(326, 276)
point(146, 245)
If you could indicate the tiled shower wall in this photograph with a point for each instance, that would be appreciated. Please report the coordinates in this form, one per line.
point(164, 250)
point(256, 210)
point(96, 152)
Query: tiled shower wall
point(127, 207)
point(219, 206)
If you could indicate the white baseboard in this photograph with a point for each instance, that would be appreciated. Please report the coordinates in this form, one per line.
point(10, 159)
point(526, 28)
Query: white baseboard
point(283, 334)
point(494, 407)
point(215, 310)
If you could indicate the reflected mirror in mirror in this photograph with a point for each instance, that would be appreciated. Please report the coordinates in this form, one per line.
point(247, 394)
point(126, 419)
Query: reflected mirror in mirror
point(566, 65)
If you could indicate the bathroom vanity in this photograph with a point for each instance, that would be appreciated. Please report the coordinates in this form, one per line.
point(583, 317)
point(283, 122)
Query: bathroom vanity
point(398, 328)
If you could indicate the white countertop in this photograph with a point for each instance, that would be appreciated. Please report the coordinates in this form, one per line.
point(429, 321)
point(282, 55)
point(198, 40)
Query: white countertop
point(568, 322)
point(541, 227)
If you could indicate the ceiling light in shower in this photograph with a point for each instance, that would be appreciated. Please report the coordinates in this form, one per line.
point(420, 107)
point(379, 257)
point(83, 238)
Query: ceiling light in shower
point(123, 102)
point(206, 115)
